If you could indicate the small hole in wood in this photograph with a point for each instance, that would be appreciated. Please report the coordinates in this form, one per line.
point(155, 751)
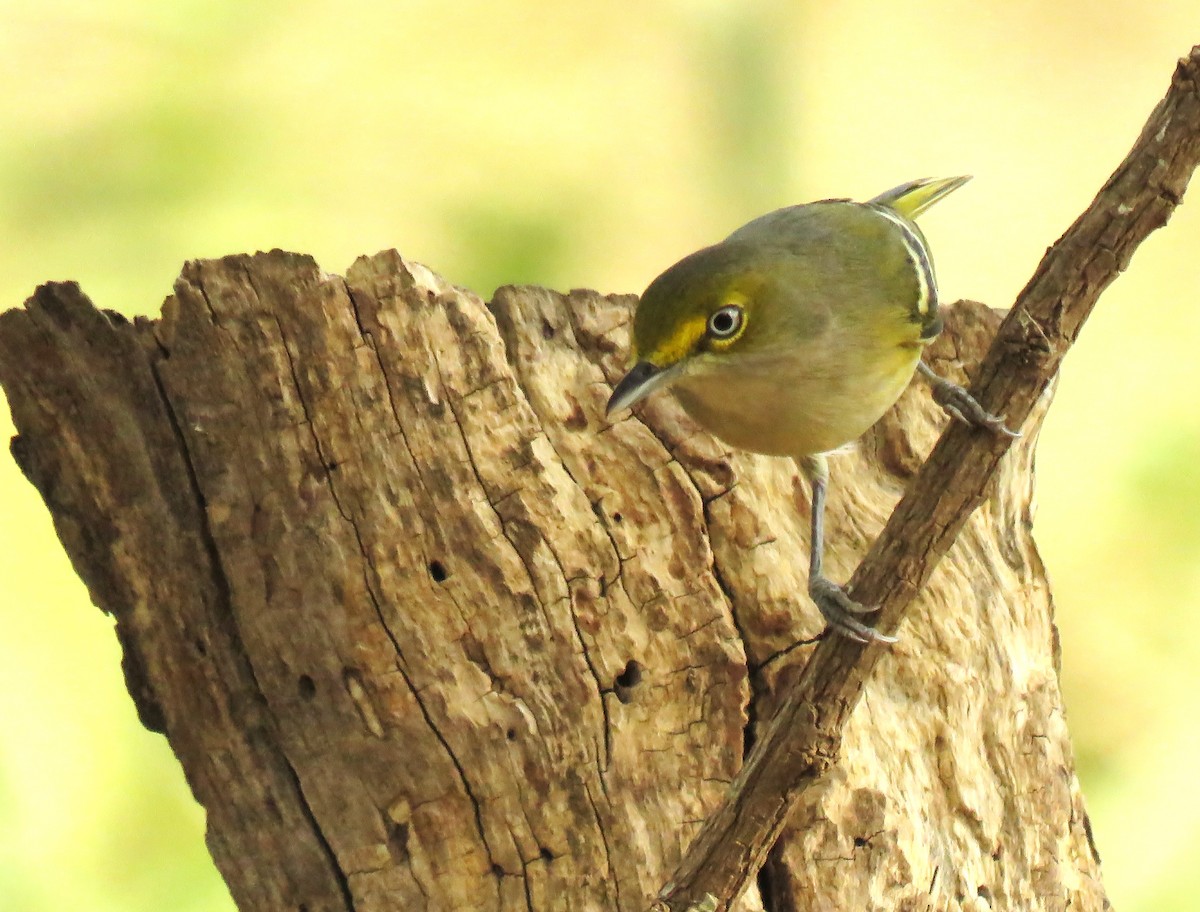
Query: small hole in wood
point(546, 854)
point(631, 676)
point(398, 842)
point(616, 517)
point(200, 646)
point(307, 687)
point(511, 734)
point(577, 420)
point(627, 680)
point(437, 570)
point(859, 842)
point(547, 330)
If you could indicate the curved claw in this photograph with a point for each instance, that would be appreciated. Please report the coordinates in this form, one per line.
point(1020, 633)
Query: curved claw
point(962, 406)
point(839, 611)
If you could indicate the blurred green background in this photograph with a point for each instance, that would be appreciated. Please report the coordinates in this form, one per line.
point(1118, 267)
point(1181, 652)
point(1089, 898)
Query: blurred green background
point(592, 144)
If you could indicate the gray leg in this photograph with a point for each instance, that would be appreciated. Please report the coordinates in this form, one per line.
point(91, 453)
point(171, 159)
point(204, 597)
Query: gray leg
point(836, 607)
point(959, 404)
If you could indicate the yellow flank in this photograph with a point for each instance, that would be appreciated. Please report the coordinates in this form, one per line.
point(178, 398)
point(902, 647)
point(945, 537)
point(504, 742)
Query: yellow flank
point(678, 344)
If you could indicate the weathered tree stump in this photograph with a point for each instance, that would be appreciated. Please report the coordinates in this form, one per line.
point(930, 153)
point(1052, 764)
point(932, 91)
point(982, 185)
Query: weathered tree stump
point(428, 632)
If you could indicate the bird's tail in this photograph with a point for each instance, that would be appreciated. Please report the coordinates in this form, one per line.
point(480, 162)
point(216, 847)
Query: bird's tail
point(913, 198)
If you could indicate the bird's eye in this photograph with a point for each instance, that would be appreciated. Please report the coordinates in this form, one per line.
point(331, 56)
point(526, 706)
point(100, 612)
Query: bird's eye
point(725, 322)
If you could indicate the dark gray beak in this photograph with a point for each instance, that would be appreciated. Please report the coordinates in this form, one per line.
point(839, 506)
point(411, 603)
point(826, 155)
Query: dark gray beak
point(643, 378)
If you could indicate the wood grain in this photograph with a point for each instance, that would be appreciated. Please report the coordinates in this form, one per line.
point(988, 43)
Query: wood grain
point(427, 632)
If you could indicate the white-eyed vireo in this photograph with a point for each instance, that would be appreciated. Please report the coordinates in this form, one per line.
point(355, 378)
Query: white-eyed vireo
point(795, 334)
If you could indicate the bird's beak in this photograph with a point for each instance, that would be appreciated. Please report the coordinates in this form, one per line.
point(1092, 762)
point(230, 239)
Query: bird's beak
point(643, 379)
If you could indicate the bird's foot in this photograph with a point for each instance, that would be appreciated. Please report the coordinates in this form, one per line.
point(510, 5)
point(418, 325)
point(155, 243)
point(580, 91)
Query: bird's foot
point(962, 406)
point(839, 611)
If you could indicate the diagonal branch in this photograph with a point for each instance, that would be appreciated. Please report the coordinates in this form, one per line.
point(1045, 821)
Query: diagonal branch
point(803, 739)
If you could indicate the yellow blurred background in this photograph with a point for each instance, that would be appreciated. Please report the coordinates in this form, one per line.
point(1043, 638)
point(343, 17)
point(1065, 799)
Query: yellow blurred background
point(592, 144)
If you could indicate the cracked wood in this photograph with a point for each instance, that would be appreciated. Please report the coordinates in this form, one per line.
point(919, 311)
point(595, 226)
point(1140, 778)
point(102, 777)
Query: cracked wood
point(427, 632)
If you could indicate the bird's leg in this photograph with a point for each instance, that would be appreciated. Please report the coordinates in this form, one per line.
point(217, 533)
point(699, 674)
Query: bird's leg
point(958, 403)
point(836, 606)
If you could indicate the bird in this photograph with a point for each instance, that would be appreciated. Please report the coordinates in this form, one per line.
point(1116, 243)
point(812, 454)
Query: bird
point(794, 335)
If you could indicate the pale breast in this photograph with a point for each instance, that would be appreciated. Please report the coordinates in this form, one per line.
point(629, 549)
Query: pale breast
point(797, 408)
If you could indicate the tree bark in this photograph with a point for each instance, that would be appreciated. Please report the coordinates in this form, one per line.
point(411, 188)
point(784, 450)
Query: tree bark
point(427, 632)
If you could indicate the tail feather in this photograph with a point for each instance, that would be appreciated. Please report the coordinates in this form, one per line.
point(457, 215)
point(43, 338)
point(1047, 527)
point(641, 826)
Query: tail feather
point(913, 198)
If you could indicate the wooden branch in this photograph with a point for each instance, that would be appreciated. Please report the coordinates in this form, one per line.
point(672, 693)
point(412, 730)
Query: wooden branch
point(803, 739)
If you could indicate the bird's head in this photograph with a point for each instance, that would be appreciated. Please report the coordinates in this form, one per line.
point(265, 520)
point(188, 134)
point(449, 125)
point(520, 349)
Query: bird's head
point(697, 315)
